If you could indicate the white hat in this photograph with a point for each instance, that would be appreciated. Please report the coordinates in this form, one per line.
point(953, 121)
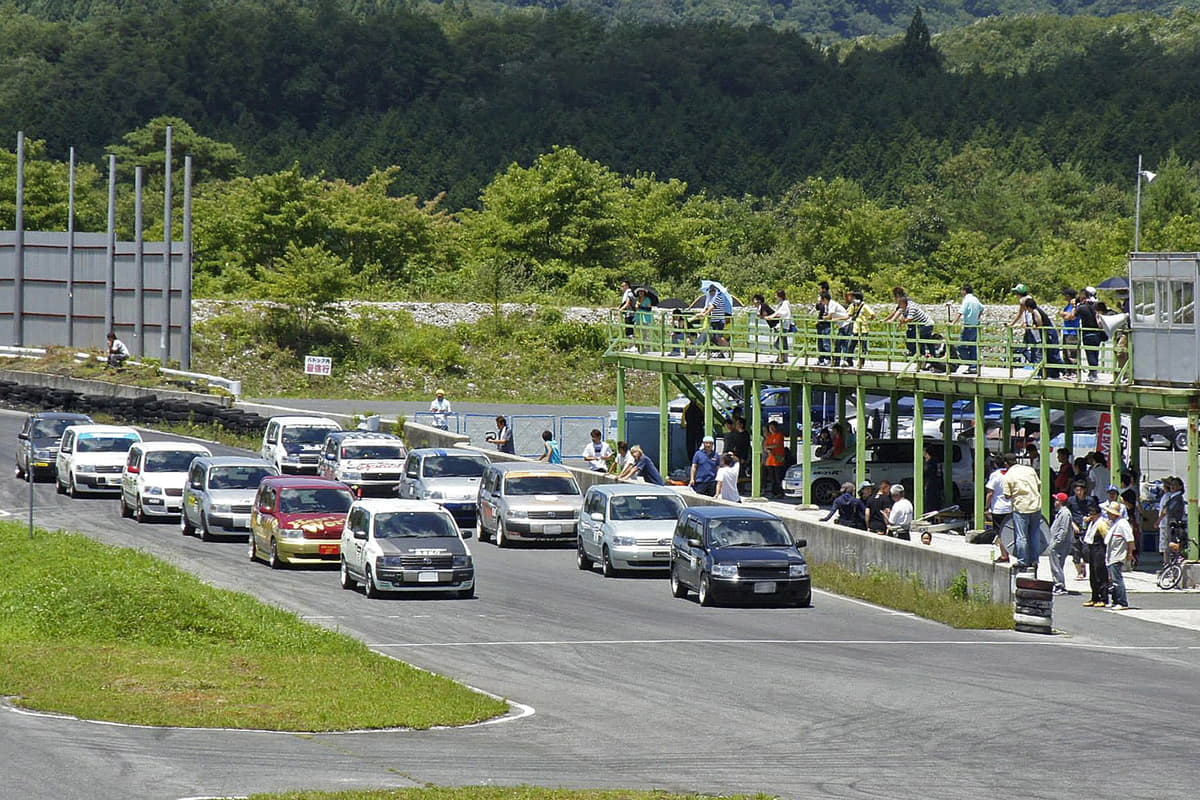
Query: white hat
point(1112, 509)
point(708, 440)
point(1091, 290)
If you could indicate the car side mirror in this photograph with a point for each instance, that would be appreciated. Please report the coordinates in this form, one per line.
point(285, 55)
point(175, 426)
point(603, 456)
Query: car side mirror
point(360, 534)
point(22, 435)
point(801, 543)
point(693, 543)
point(596, 515)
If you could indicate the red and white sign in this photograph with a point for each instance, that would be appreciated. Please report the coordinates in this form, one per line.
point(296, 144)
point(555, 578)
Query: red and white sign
point(1104, 433)
point(317, 365)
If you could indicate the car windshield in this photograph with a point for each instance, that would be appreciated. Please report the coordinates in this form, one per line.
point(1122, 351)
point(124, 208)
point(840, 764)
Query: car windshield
point(626, 507)
point(247, 477)
point(413, 524)
point(306, 434)
point(540, 484)
point(748, 533)
point(453, 466)
point(393, 452)
point(105, 444)
point(51, 428)
point(170, 460)
point(302, 501)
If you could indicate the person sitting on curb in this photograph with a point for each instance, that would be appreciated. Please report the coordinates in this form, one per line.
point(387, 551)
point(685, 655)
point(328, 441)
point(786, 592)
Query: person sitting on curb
point(850, 510)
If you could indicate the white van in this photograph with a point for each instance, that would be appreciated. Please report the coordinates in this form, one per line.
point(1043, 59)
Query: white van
point(91, 458)
point(153, 478)
point(887, 459)
point(293, 444)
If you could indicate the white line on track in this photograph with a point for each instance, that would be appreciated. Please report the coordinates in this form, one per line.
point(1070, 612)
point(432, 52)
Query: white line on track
point(807, 642)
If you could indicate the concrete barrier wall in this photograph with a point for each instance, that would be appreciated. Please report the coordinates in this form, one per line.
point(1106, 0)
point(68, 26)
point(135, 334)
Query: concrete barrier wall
point(853, 550)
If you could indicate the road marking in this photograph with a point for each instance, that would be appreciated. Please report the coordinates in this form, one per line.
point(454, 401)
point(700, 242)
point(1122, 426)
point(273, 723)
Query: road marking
point(1176, 617)
point(808, 642)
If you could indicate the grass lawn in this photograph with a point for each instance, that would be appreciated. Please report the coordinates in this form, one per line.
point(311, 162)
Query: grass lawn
point(496, 793)
point(109, 633)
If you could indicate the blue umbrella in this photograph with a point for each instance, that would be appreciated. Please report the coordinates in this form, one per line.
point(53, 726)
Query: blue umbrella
point(1119, 282)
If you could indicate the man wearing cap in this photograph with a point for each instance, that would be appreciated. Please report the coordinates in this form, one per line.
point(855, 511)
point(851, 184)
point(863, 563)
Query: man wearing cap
point(1114, 496)
point(1116, 548)
point(716, 308)
point(1024, 489)
point(440, 408)
point(1093, 539)
point(900, 518)
point(1062, 531)
point(703, 478)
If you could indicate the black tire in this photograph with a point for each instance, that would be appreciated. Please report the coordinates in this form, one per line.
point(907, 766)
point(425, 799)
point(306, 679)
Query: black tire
point(344, 576)
point(126, 512)
point(502, 539)
point(139, 513)
point(58, 487)
point(21, 474)
point(705, 592)
point(606, 565)
point(72, 489)
point(466, 594)
point(185, 527)
point(252, 548)
point(678, 588)
point(273, 559)
point(1170, 576)
point(1180, 440)
point(1033, 595)
point(581, 558)
point(481, 532)
point(205, 533)
point(369, 587)
point(805, 601)
point(825, 491)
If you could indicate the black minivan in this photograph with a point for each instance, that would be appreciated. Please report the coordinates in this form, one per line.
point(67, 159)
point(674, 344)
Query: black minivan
point(737, 554)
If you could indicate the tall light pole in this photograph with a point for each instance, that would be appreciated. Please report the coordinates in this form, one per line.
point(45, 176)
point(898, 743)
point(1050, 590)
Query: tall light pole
point(1137, 204)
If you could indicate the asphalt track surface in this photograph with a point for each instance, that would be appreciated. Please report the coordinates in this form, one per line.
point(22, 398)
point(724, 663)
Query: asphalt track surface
point(620, 685)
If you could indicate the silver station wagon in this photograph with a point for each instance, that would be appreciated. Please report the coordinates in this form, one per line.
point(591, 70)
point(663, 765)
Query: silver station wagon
point(522, 500)
point(627, 527)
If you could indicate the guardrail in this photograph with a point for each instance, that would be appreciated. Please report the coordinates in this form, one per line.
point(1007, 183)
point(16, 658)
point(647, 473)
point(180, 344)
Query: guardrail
point(1001, 351)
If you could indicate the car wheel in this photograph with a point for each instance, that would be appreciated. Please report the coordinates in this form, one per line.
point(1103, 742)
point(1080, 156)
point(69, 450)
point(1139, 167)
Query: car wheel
point(20, 472)
point(58, 486)
point(1181, 440)
point(139, 513)
point(606, 565)
point(825, 491)
point(705, 592)
point(125, 512)
point(581, 557)
point(466, 594)
point(72, 489)
point(677, 586)
point(185, 527)
point(252, 549)
point(344, 576)
point(805, 601)
point(369, 587)
point(501, 536)
point(205, 533)
point(273, 559)
point(481, 533)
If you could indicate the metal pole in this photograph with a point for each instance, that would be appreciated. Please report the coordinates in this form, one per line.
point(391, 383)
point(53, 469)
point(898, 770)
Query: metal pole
point(806, 448)
point(980, 478)
point(1135, 444)
point(1044, 458)
point(110, 261)
point(139, 266)
point(1193, 487)
point(1137, 210)
point(893, 414)
point(664, 427)
point(621, 403)
point(756, 442)
point(185, 334)
point(1116, 457)
point(71, 251)
point(918, 487)
point(708, 406)
point(1069, 429)
point(166, 320)
point(19, 248)
point(1006, 426)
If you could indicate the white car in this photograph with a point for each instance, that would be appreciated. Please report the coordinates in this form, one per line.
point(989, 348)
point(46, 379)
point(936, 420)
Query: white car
point(404, 546)
point(153, 479)
point(627, 526)
point(368, 462)
point(887, 459)
point(91, 457)
point(293, 444)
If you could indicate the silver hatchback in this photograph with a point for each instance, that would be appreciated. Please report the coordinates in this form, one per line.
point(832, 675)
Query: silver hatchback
point(534, 501)
point(627, 526)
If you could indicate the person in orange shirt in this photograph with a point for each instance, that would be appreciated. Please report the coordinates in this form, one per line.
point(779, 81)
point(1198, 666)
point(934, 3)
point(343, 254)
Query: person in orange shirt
point(776, 462)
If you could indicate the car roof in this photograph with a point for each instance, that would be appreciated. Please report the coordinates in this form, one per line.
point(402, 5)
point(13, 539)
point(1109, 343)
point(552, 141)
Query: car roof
point(611, 489)
point(158, 447)
point(120, 430)
point(380, 504)
point(537, 468)
point(445, 451)
point(343, 435)
point(84, 418)
point(302, 482)
point(235, 461)
point(303, 420)
point(725, 512)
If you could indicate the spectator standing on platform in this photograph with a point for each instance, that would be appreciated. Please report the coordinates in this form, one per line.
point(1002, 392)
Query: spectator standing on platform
point(727, 478)
point(626, 307)
point(919, 332)
point(999, 504)
point(597, 453)
point(850, 509)
point(825, 307)
point(1090, 334)
point(878, 507)
point(641, 468)
point(550, 453)
point(643, 316)
point(1024, 489)
point(717, 310)
point(900, 518)
point(970, 314)
point(1078, 505)
point(1093, 539)
point(441, 410)
point(703, 478)
point(502, 438)
point(1117, 546)
point(1061, 535)
point(1070, 330)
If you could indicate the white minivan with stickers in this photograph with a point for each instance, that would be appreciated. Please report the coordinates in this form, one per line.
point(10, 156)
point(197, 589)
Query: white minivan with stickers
point(293, 444)
point(91, 458)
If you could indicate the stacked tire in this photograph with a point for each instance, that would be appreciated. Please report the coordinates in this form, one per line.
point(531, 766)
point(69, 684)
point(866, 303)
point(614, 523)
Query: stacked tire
point(1033, 603)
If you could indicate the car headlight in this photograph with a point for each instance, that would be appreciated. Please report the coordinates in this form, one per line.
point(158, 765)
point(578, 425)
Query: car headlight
point(797, 570)
point(292, 533)
point(462, 561)
point(349, 475)
point(435, 494)
point(155, 490)
point(220, 508)
point(43, 455)
point(517, 513)
point(724, 570)
point(794, 474)
point(623, 541)
point(389, 561)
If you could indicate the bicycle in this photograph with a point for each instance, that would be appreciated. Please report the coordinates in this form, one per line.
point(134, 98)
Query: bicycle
point(1171, 574)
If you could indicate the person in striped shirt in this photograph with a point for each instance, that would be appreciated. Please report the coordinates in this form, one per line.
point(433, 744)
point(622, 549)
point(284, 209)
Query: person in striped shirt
point(920, 325)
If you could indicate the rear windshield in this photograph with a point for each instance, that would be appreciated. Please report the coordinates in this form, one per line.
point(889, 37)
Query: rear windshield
point(453, 466)
point(629, 507)
point(306, 434)
point(410, 524)
point(540, 484)
point(105, 444)
point(170, 460)
point(301, 501)
point(381, 451)
point(247, 477)
point(748, 533)
point(51, 428)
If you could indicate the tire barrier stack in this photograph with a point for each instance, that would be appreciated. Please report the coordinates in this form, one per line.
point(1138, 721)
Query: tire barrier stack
point(144, 410)
point(1033, 602)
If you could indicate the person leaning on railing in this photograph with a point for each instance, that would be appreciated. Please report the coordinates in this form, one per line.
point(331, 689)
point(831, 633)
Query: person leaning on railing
point(919, 334)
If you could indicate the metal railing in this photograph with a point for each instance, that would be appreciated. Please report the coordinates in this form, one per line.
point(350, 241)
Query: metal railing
point(1001, 350)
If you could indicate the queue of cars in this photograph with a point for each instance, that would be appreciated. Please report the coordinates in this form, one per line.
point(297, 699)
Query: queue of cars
point(414, 542)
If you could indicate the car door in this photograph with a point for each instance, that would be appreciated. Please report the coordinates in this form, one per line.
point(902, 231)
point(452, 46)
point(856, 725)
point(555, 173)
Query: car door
point(357, 522)
point(262, 516)
point(25, 444)
point(129, 475)
point(193, 492)
point(268, 444)
point(589, 529)
point(689, 558)
point(411, 476)
point(62, 464)
point(486, 506)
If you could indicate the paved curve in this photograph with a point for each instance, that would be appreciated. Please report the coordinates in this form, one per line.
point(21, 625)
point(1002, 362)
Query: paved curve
point(633, 688)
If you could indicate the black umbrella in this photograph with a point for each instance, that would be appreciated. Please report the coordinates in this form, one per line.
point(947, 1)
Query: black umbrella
point(672, 302)
point(1119, 282)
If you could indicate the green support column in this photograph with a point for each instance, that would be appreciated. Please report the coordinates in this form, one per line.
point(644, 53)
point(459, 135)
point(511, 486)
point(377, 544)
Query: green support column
point(918, 488)
point(806, 449)
point(841, 408)
point(708, 405)
point(664, 427)
point(756, 443)
point(620, 403)
point(1006, 426)
point(1069, 429)
point(860, 438)
point(793, 418)
point(1135, 443)
point(1044, 456)
point(893, 414)
point(947, 451)
point(747, 407)
point(979, 478)
point(1193, 487)
point(1116, 448)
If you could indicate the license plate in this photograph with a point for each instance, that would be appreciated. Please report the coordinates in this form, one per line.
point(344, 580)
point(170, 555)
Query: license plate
point(552, 529)
point(328, 549)
point(427, 577)
point(764, 587)
point(241, 522)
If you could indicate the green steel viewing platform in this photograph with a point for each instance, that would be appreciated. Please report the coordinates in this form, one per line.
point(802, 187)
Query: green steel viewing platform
point(1149, 364)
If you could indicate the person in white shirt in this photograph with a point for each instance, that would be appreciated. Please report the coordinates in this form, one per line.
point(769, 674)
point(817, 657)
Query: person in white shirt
point(441, 410)
point(1098, 476)
point(118, 353)
point(900, 518)
point(783, 315)
point(597, 453)
point(727, 478)
point(1117, 543)
point(1000, 506)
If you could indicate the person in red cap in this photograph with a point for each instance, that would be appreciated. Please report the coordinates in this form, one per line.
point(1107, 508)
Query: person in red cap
point(1062, 531)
